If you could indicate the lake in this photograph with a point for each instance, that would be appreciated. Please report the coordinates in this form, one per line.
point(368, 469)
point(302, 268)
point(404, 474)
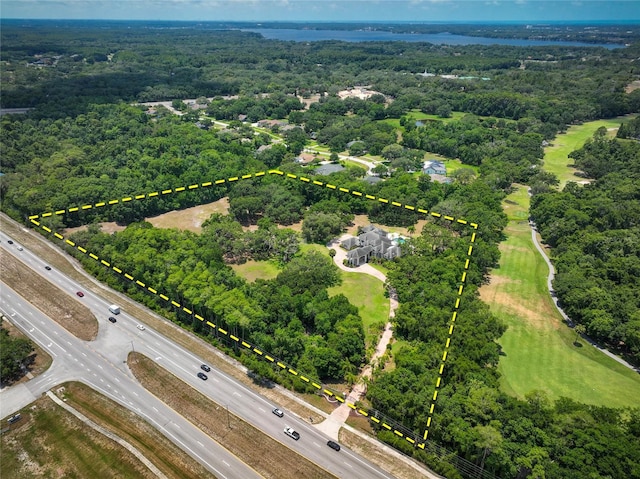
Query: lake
point(292, 34)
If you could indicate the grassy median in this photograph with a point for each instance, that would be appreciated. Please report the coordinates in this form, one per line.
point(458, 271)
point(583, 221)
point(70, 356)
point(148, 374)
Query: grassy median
point(64, 309)
point(267, 456)
point(50, 442)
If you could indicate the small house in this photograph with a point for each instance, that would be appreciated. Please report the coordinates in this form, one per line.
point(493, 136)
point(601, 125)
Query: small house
point(434, 167)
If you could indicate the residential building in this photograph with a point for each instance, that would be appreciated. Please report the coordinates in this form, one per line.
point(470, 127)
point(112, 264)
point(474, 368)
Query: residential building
point(372, 242)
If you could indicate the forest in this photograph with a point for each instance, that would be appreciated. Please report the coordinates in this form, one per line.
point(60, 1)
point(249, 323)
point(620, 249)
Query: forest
point(595, 235)
point(86, 140)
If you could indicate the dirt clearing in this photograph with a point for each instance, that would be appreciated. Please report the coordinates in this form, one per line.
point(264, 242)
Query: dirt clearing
point(190, 219)
point(363, 220)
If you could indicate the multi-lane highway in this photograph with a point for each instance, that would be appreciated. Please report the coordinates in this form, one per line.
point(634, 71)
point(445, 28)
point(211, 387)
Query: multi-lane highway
point(102, 365)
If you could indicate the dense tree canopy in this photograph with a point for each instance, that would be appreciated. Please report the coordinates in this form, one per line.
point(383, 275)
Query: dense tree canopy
point(14, 353)
point(595, 234)
point(87, 142)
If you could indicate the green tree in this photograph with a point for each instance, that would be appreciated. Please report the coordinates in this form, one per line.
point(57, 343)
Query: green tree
point(310, 272)
point(488, 439)
point(580, 330)
point(13, 355)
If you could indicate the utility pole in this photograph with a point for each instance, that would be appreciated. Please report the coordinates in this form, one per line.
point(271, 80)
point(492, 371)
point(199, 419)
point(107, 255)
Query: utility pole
point(228, 417)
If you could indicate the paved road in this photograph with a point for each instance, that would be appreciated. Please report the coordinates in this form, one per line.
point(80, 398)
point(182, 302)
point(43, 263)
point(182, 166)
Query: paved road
point(102, 364)
point(77, 360)
point(550, 277)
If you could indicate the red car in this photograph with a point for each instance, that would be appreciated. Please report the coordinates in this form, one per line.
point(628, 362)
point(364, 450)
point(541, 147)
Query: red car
point(80, 293)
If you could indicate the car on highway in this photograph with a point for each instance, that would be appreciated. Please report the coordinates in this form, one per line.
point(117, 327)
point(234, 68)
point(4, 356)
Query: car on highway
point(19, 248)
point(204, 367)
point(140, 327)
point(203, 376)
point(277, 412)
point(292, 433)
point(333, 445)
point(80, 293)
point(48, 268)
point(112, 319)
point(9, 241)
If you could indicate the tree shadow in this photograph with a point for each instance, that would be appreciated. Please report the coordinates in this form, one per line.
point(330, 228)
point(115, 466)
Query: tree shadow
point(261, 380)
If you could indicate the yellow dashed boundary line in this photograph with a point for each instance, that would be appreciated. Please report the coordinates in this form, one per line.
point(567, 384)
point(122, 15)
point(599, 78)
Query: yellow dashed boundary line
point(451, 325)
point(248, 346)
point(144, 196)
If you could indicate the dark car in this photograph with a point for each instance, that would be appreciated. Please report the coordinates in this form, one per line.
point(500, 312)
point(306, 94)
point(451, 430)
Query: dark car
point(112, 319)
point(80, 293)
point(333, 445)
point(203, 376)
point(48, 268)
point(9, 241)
point(277, 412)
point(206, 368)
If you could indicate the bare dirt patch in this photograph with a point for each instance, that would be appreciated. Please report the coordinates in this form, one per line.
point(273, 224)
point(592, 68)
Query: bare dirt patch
point(109, 227)
point(190, 219)
point(269, 458)
point(55, 303)
point(363, 220)
point(308, 101)
point(634, 85)
point(540, 317)
point(297, 227)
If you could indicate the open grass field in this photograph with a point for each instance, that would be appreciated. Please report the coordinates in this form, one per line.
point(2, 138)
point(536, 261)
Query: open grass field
point(50, 442)
point(539, 350)
point(252, 270)
point(417, 115)
point(353, 164)
point(307, 247)
point(556, 156)
point(367, 294)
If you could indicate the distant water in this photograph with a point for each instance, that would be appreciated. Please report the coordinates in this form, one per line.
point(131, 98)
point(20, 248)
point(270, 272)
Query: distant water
point(291, 34)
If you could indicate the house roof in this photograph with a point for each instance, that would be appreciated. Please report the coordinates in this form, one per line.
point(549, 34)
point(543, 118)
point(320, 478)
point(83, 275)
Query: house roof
point(359, 252)
point(349, 243)
point(435, 164)
point(372, 179)
point(328, 169)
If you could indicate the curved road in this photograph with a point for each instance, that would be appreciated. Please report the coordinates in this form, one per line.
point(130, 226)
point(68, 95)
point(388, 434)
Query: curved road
point(550, 277)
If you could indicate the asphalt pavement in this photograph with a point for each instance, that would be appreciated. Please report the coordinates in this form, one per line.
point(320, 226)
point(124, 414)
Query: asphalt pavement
point(102, 365)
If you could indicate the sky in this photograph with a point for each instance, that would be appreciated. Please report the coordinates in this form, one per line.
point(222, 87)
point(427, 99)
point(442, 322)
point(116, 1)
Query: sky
point(328, 10)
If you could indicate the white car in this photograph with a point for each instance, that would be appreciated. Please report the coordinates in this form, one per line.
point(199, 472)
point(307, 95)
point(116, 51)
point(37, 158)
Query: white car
point(289, 431)
point(140, 327)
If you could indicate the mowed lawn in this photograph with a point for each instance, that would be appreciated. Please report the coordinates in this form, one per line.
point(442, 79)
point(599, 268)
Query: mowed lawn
point(363, 291)
point(367, 294)
point(252, 270)
point(539, 350)
point(556, 156)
